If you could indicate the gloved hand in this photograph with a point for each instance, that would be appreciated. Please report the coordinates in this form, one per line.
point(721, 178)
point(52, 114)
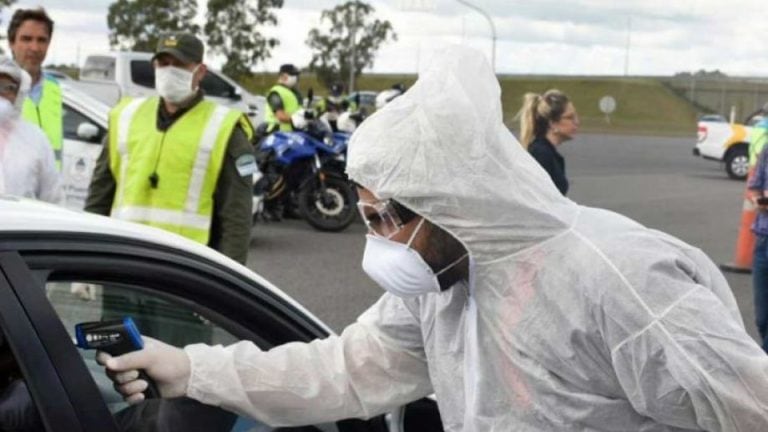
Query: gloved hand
point(167, 365)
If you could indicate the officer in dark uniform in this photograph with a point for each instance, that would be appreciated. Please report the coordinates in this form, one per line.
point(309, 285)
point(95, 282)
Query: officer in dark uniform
point(231, 215)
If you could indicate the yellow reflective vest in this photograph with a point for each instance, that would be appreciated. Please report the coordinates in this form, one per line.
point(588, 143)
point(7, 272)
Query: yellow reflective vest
point(48, 114)
point(167, 179)
point(290, 105)
point(757, 139)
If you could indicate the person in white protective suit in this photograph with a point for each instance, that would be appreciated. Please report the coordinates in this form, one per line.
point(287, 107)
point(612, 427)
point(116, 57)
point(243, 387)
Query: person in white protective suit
point(561, 317)
point(27, 163)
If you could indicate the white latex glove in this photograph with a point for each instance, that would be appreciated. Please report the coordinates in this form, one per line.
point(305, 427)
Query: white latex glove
point(167, 365)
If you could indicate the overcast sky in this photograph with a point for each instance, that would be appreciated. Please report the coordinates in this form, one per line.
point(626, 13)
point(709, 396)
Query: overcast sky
point(572, 37)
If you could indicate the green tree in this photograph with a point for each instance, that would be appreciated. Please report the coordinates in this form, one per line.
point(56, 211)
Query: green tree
point(137, 24)
point(231, 29)
point(350, 40)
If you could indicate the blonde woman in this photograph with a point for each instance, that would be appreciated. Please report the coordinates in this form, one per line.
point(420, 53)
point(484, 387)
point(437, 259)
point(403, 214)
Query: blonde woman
point(546, 121)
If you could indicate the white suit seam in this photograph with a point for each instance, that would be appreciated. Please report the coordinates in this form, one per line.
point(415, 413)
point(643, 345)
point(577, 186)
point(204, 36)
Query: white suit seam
point(618, 273)
point(654, 321)
point(673, 343)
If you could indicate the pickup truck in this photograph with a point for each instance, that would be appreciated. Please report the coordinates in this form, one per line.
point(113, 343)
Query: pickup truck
point(727, 143)
point(113, 75)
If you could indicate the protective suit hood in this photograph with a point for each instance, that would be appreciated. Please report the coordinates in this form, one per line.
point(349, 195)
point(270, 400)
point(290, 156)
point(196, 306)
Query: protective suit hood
point(13, 70)
point(442, 150)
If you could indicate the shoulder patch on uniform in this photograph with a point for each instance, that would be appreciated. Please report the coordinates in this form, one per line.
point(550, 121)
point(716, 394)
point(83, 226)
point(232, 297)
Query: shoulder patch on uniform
point(246, 165)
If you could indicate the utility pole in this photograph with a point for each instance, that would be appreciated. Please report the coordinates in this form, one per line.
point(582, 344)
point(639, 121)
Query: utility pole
point(493, 30)
point(353, 43)
point(626, 52)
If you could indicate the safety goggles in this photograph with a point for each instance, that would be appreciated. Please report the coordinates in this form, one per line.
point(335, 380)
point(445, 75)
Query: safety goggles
point(382, 218)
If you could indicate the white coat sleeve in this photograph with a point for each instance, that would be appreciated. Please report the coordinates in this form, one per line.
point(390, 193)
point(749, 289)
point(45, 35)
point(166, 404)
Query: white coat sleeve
point(377, 363)
point(49, 185)
point(693, 366)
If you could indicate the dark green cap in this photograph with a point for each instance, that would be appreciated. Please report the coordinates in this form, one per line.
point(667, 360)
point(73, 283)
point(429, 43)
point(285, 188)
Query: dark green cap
point(184, 46)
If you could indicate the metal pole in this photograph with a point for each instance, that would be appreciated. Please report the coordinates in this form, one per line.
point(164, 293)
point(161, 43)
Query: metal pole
point(493, 29)
point(629, 39)
point(352, 35)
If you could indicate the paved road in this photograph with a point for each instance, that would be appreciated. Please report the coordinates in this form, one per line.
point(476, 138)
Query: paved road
point(655, 181)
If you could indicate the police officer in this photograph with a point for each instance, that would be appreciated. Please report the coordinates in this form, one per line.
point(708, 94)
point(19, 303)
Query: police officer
point(336, 101)
point(178, 161)
point(334, 104)
point(283, 99)
point(29, 35)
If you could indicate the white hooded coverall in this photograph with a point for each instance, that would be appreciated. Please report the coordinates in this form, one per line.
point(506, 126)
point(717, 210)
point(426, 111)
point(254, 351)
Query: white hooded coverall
point(574, 318)
point(27, 163)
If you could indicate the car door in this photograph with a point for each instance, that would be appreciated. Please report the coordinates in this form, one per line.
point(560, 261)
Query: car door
point(175, 297)
point(79, 155)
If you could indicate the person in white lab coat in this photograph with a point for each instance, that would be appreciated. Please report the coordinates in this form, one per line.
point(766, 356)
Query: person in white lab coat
point(520, 309)
point(27, 163)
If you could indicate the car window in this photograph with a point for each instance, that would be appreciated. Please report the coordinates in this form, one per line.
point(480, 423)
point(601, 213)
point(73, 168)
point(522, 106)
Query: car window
point(142, 73)
point(161, 317)
point(99, 68)
point(213, 85)
point(72, 119)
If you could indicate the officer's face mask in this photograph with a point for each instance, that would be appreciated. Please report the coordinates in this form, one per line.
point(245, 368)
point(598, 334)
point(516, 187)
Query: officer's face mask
point(291, 80)
point(174, 84)
point(398, 268)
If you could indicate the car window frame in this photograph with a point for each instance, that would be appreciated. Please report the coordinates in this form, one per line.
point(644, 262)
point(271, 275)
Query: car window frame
point(58, 380)
point(34, 250)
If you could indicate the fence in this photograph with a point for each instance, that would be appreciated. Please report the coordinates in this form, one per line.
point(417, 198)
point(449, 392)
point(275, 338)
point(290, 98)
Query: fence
point(740, 96)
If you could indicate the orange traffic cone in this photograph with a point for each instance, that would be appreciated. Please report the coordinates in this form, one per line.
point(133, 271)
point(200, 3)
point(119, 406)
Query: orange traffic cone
point(745, 242)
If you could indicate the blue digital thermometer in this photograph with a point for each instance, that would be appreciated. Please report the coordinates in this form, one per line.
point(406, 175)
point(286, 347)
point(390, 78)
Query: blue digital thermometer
point(114, 337)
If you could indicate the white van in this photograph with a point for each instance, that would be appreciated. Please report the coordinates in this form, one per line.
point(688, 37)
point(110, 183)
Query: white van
point(118, 74)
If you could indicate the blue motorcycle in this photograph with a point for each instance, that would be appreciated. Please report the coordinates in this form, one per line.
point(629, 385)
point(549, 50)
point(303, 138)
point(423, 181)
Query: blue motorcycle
point(304, 174)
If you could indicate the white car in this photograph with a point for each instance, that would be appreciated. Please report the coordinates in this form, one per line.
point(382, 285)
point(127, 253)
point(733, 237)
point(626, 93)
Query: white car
point(727, 143)
point(59, 268)
point(85, 126)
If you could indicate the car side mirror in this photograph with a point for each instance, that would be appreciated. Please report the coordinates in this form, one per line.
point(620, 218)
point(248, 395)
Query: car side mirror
point(235, 95)
point(88, 132)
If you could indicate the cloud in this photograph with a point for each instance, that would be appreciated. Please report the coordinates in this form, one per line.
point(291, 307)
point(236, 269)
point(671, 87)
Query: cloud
point(541, 36)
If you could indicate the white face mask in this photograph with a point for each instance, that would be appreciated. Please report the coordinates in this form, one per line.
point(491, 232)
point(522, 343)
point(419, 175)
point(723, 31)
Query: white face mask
point(174, 84)
point(398, 268)
point(7, 110)
point(291, 80)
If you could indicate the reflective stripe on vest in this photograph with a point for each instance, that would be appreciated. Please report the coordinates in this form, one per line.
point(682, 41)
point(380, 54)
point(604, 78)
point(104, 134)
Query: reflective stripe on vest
point(290, 105)
point(187, 159)
point(48, 114)
point(169, 217)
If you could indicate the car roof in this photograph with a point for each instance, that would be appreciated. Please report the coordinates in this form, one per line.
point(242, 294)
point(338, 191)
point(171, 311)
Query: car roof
point(21, 215)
